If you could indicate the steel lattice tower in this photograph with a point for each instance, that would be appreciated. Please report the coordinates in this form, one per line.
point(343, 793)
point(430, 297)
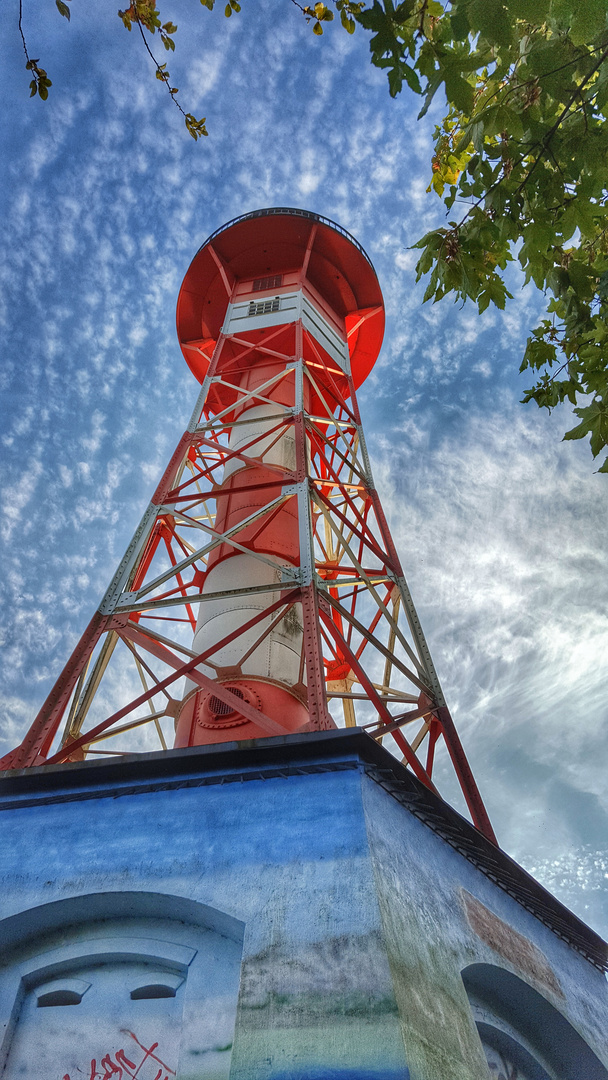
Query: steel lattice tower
point(263, 570)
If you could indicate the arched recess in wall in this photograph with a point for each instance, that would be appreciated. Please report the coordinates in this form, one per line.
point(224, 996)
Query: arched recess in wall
point(102, 984)
point(523, 1035)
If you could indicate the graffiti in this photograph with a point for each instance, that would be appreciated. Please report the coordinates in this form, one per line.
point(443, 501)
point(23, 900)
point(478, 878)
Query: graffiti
point(500, 1066)
point(119, 1066)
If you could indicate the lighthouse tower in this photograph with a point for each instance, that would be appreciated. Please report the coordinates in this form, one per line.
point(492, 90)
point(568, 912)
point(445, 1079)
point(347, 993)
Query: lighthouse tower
point(212, 865)
point(263, 569)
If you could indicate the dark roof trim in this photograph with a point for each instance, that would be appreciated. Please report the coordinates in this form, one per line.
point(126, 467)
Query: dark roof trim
point(289, 211)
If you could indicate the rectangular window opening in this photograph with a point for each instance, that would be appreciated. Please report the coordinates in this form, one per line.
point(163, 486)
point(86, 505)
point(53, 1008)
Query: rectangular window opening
point(267, 283)
point(264, 307)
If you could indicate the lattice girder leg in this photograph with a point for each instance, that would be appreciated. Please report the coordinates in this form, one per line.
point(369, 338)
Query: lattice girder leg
point(262, 592)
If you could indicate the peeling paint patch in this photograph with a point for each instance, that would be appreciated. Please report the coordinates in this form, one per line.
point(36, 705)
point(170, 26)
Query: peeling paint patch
point(509, 943)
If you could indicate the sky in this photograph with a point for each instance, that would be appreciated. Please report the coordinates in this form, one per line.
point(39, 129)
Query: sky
point(500, 526)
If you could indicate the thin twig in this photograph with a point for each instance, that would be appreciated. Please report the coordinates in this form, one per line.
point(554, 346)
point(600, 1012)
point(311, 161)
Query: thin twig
point(162, 74)
point(21, 30)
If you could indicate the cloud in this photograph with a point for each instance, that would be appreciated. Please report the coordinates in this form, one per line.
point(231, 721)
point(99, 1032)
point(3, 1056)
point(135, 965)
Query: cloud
point(501, 528)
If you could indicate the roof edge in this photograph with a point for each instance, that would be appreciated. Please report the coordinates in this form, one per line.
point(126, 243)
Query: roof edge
point(289, 211)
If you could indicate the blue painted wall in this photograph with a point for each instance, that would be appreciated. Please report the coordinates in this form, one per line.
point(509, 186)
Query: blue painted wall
point(335, 915)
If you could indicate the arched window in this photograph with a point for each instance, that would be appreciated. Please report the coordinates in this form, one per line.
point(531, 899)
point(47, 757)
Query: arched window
point(117, 982)
point(524, 1037)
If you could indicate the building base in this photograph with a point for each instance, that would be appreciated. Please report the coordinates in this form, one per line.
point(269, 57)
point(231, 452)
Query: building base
point(297, 908)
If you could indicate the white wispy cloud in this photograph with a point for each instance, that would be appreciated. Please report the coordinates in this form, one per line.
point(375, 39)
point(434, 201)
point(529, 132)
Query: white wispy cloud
point(501, 527)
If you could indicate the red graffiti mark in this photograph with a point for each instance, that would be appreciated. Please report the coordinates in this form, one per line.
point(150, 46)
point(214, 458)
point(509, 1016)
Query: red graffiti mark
point(118, 1066)
point(124, 1061)
point(148, 1053)
point(110, 1068)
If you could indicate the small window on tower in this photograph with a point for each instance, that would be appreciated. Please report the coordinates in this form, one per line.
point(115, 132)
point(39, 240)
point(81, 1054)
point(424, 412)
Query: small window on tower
point(268, 283)
point(264, 307)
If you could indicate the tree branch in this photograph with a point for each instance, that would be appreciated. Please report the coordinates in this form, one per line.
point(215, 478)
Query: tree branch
point(27, 55)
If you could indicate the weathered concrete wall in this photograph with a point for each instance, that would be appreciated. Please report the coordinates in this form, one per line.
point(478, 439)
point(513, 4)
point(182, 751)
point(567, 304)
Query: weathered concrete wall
point(435, 927)
point(288, 858)
point(313, 930)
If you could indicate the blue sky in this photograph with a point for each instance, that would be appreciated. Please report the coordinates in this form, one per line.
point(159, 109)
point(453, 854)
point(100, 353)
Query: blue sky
point(501, 527)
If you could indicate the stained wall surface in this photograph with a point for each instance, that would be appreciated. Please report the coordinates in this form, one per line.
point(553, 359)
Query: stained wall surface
point(442, 919)
point(277, 925)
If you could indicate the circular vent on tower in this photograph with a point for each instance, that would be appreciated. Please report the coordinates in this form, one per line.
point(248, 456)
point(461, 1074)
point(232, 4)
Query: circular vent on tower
point(217, 713)
point(220, 708)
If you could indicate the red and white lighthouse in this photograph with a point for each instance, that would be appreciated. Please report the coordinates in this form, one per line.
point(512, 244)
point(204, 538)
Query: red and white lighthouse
point(273, 293)
point(262, 593)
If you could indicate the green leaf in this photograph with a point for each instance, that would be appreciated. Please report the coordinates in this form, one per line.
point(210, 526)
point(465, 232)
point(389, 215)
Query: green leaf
point(577, 432)
point(588, 20)
point(594, 422)
point(432, 88)
point(483, 301)
point(63, 9)
point(411, 78)
point(533, 11)
point(459, 23)
point(459, 92)
point(490, 18)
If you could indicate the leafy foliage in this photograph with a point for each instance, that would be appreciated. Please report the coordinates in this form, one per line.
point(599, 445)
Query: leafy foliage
point(145, 15)
point(40, 82)
point(520, 162)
